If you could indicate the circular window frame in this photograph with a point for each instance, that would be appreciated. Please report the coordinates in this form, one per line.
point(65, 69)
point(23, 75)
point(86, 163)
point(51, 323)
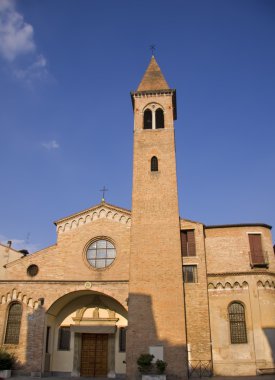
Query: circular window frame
point(31, 268)
point(86, 248)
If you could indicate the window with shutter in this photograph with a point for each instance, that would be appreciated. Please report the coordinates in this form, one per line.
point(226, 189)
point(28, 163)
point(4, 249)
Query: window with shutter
point(188, 245)
point(257, 256)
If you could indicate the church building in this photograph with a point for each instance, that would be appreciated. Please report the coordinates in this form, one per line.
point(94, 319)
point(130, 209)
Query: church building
point(120, 283)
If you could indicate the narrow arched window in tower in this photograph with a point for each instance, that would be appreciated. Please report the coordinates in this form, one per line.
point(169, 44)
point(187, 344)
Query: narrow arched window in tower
point(237, 323)
point(13, 323)
point(147, 119)
point(154, 164)
point(159, 118)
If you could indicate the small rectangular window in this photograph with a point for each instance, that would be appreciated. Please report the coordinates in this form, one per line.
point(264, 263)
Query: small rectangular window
point(188, 245)
point(122, 339)
point(64, 338)
point(190, 273)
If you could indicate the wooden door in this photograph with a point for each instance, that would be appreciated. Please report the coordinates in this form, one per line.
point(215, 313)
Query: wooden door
point(94, 355)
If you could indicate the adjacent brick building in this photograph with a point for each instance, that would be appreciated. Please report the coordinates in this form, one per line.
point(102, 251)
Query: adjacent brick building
point(119, 283)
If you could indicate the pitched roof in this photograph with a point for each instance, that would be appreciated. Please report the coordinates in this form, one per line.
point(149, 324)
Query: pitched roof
point(239, 225)
point(153, 78)
point(11, 248)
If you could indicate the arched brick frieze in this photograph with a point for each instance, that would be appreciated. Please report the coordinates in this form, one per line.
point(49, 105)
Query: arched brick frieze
point(100, 213)
point(80, 222)
point(95, 216)
point(236, 285)
point(88, 218)
point(122, 219)
point(227, 285)
point(14, 295)
point(74, 225)
point(267, 284)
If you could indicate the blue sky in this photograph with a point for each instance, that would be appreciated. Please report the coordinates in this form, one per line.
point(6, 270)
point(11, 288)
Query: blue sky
point(66, 70)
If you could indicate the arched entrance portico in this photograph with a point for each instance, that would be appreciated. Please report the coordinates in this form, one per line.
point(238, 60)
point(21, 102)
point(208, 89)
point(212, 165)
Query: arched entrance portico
point(84, 335)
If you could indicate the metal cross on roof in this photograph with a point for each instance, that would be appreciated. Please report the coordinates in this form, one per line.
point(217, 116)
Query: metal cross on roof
point(153, 49)
point(103, 193)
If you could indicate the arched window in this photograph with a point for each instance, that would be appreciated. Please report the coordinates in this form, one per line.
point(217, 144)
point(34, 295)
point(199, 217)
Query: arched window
point(154, 164)
point(236, 314)
point(147, 119)
point(159, 118)
point(13, 323)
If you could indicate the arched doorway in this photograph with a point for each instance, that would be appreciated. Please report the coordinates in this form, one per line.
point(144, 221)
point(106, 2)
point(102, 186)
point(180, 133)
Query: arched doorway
point(85, 335)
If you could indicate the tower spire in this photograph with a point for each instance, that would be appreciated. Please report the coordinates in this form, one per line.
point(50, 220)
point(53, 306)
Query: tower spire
point(153, 78)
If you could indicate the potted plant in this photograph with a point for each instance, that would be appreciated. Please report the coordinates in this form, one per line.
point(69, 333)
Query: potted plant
point(144, 363)
point(161, 366)
point(6, 363)
point(150, 370)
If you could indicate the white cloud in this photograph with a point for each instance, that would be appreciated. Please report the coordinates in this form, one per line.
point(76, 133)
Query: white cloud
point(20, 244)
point(40, 62)
point(17, 39)
point(16, 35)
point(51, 145)
point(37, 70)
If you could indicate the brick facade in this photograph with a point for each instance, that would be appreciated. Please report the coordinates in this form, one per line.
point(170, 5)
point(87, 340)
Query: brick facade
point(186, 322)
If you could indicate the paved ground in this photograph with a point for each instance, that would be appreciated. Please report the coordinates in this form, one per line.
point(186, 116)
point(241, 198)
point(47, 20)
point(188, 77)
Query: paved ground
point(262, 377)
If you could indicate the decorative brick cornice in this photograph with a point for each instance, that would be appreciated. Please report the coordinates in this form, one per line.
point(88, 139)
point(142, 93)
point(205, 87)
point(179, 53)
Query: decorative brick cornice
point(252, 273)
point(265, 282)
point(101, 211)
point(233, 285)
point(64, 282)
point(15, 296)
point(153, 92)
point(267, 285)
point(236, 285)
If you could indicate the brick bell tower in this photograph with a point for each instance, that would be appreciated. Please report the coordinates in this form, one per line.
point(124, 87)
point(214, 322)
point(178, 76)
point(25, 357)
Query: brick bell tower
point(156, 299)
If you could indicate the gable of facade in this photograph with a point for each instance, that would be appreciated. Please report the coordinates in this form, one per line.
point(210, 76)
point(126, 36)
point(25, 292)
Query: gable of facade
point(67, 259)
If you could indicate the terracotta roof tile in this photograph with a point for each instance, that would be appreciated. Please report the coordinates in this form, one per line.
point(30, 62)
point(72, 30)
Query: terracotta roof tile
point(153, 78)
